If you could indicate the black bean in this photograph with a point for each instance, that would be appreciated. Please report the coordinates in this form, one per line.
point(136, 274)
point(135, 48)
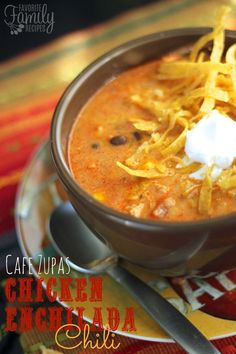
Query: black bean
point(118, 140)
point(95, 146)
point(137, 135)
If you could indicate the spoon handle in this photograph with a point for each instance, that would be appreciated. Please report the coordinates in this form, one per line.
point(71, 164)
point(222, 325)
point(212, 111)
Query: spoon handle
point(165, 314)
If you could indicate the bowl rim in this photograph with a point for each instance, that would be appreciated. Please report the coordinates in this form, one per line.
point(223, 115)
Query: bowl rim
point(63, 170)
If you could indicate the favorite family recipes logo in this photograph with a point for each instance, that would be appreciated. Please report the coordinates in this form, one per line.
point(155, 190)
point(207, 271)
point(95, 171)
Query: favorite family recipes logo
point(33, 303)
point(29, 18)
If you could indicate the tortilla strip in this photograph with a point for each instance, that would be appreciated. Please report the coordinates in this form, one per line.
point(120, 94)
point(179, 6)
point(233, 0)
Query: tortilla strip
point(140, 173)
point(205, 197)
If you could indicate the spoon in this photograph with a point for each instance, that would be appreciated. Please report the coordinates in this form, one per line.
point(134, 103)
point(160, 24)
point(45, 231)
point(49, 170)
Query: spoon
point(67, 231)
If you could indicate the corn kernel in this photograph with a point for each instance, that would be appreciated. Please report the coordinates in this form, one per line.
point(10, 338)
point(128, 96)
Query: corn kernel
point(100, 129)
point(99, 196)
point(149, 165)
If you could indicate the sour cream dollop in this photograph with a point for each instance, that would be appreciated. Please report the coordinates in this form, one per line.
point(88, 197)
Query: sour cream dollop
point(212, 141)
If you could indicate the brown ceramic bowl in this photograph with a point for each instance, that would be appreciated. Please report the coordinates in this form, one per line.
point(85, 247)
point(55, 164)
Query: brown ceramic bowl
point(206, 245)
